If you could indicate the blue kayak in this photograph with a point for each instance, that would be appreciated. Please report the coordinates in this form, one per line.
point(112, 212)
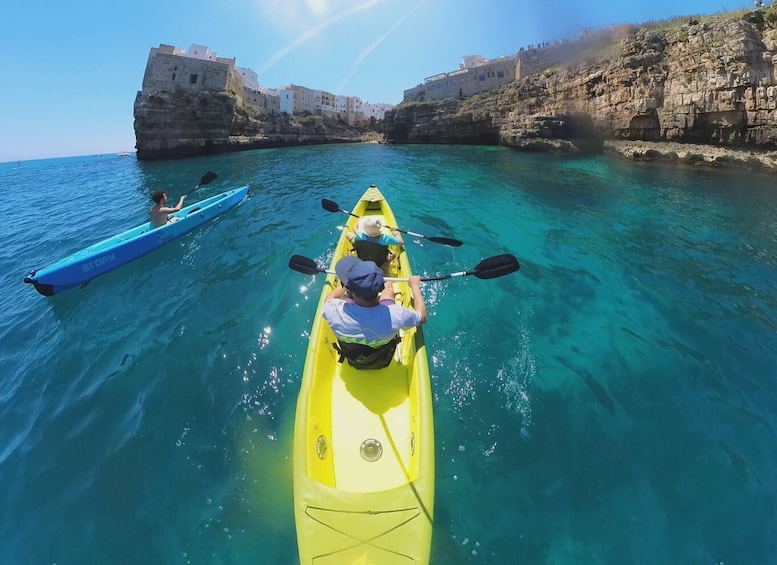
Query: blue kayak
point(95, 260)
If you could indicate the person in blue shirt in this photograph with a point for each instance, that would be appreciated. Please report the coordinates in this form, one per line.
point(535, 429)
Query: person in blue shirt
point(363, 315)
point(369, 229)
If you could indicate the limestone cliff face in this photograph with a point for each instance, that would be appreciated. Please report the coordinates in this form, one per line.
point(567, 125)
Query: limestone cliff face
point(180, 124)
point(704, 83)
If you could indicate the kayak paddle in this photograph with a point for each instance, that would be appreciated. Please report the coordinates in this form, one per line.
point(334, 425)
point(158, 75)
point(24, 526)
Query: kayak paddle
point(330, 206)
point(490, 268)
point(207, 178)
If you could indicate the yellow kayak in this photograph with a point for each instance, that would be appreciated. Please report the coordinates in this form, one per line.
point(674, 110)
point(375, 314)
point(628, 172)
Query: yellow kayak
point(364, 440)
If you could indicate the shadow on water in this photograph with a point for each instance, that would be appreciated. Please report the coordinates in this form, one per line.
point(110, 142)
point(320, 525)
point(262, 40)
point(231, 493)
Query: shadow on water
point(433, 221)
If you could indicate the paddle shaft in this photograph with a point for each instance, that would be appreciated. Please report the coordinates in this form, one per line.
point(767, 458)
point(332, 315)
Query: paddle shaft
point(423, 279)
point(333, 207)
point(490, 268)
point(207, 178)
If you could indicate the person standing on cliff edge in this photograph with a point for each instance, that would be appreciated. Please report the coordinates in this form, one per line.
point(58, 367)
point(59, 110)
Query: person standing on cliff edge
point(159, 211)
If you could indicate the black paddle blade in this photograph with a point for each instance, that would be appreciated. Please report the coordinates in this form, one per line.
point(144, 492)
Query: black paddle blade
point(329, 206)
point(304, 265)
point(496, 266)
point(208, 178)
point(446, 241)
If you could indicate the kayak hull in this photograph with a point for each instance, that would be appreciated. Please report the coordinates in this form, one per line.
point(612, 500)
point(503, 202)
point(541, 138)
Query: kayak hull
point(104, 256)
point(364, 441)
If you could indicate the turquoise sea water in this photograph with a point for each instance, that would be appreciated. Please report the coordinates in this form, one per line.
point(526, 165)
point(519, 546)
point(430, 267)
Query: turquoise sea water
point(612, 402)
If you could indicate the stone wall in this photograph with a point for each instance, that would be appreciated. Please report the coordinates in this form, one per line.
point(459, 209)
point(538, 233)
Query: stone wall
point(262, 102)
point(465, 82)
point(165, 71)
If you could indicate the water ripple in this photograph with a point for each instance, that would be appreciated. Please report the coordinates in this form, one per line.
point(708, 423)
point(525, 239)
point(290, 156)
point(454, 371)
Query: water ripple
point(156, 405)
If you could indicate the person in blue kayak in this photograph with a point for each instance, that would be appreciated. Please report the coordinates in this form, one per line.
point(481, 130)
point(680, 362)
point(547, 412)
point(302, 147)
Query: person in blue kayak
point(371, 242)
point(363, 315)
point(159, 210)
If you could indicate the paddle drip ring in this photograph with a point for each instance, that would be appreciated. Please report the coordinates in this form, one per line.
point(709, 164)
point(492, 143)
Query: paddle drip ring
point(322, 447)
point(371, 450)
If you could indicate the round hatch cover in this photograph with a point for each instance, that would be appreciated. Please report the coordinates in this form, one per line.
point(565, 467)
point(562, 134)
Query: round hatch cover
point(322, 447)
point(371, 450)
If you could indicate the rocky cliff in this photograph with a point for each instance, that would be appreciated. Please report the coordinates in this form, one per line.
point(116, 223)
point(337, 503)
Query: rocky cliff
point(176, 123)
point(709, 82)
point(706, 82)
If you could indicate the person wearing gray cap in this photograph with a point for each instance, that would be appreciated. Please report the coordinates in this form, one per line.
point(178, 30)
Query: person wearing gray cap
point(363, 315)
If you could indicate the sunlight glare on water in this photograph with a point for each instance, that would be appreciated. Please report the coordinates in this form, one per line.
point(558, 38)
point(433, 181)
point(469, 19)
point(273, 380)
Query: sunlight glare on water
point(611, 402)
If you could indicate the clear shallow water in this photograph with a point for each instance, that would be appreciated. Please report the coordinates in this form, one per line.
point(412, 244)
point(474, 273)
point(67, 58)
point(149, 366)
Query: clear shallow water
point(612, 402)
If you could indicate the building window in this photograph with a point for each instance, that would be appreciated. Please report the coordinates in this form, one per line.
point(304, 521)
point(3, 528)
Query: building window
point(173, 77)
point(481, 77)
point(500, 74)
point(192, 79)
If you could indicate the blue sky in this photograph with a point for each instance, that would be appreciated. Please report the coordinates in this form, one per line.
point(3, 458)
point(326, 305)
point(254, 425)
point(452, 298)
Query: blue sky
point(71, 70)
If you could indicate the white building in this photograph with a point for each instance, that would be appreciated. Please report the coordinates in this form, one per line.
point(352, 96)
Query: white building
point(250, 78)
point(377, 111)
point(286, 98)
point(472, 61)
point(200, 52)
point(291, 99)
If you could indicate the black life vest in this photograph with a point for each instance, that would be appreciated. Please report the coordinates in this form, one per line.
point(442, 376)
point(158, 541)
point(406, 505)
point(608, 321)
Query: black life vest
point(360, 356)
point(371, 251)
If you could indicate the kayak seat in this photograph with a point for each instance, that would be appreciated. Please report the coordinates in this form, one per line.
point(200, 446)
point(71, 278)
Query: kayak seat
point(371, 251)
